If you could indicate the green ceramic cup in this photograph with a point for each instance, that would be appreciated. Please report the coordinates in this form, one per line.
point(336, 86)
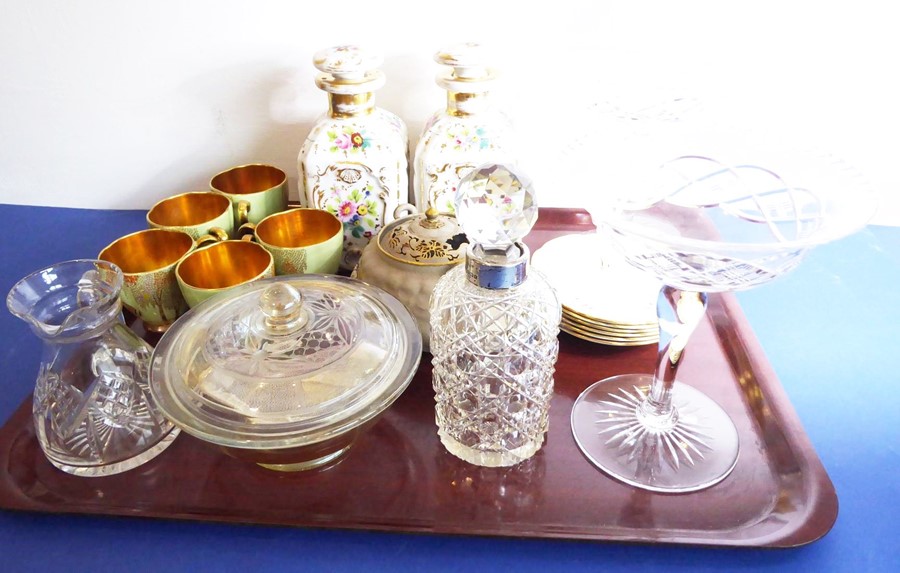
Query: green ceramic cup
point(197, 214)
point(256, 191)
point(148, 259)
point(302, 241)
point(211, 270)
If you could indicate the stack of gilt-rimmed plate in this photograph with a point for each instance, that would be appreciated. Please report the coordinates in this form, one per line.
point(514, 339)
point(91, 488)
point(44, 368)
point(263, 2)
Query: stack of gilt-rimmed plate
point(604, 299)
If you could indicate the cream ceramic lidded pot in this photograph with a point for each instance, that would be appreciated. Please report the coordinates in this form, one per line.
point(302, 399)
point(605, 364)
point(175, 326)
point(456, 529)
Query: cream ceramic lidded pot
point(410, 255)
point(353, 162)
point(468, 133)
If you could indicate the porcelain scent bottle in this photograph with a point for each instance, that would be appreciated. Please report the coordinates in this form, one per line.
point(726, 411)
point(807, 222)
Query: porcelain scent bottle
point(468, 133)
point(354, 161)
point(494, 327)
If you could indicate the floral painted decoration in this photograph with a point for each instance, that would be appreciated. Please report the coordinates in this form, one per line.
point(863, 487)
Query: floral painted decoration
point(465, 138)
point(348, 140)
point(358, 210)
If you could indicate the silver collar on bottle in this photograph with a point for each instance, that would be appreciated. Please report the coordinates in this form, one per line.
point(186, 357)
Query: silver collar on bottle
point(497, 268)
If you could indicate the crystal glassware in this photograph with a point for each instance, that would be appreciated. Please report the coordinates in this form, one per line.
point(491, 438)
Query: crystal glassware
point(494, 327)
point(286, 372)
point(93, 414)
point(723, 215)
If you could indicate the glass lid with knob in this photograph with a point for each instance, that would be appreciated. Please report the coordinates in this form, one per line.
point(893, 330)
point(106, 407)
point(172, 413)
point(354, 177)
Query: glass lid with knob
point(285, 361)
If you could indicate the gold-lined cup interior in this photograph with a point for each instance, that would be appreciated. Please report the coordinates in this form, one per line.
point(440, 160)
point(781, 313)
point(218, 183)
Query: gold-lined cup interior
point(298, 228)
point(148, 250)
point(224, 265)
point(188, 209)
point(248, 179)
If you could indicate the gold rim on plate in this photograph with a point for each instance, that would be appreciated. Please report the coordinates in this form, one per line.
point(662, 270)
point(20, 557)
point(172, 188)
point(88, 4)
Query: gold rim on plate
point(607, 339)
point(609, 335)
point(606, 342)
point(611, 327)
point(585, 316)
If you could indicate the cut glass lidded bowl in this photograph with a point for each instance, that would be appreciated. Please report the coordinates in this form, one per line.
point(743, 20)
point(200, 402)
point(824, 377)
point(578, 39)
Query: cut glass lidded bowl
point(286, 372)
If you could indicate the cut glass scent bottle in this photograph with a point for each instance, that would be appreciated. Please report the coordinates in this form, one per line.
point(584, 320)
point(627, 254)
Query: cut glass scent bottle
point(494, 326)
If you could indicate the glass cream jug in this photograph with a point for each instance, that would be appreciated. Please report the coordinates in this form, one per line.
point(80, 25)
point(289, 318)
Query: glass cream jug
point(93, 415)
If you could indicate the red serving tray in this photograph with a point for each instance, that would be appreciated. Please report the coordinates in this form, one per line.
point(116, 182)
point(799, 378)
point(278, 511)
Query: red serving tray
point(398, 477)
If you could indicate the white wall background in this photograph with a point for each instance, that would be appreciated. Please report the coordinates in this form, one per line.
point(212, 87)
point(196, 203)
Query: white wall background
point(113, 104)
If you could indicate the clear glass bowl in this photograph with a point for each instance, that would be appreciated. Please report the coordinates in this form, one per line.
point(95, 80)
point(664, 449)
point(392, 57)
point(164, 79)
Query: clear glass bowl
point(286, 372)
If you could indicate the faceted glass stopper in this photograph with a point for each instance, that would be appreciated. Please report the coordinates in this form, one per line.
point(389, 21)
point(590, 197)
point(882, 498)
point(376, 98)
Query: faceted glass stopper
point(496, 206)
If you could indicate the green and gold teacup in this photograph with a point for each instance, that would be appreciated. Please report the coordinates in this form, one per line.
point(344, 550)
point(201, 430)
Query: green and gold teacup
point(147, 259)
point(255, 190)
point(219, 267)
point(301, 240)
point(197, 214)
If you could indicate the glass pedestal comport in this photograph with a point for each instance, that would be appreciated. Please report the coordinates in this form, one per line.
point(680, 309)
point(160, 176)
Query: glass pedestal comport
point(701, 226)
point(651, 431)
